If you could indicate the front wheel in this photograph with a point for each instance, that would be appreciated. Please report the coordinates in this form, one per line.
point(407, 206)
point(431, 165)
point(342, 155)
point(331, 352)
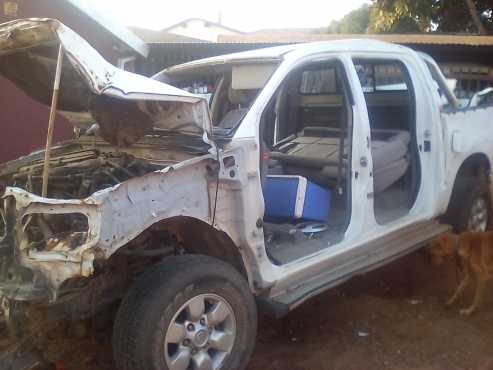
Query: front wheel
point(188, 312)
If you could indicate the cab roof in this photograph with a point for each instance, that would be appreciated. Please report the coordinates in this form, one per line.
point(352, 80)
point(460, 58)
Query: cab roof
point(278, 53)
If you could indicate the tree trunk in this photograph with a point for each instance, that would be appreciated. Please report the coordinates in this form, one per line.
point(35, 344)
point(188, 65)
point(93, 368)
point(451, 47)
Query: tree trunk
point(475, 17)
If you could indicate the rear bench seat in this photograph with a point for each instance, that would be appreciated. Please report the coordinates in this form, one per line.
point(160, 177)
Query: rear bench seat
point(315, 152)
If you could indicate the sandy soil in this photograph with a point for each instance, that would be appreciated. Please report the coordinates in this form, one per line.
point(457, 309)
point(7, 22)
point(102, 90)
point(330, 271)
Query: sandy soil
point(392, 318)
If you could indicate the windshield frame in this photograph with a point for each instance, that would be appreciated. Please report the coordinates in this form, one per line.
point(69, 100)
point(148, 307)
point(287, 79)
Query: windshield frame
point(177, 75)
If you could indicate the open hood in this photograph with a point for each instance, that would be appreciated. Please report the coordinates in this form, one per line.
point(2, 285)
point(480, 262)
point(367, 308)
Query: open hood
point(124, 105)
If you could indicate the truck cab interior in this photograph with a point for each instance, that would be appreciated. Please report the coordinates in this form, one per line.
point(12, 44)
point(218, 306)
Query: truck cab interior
point(306, 140)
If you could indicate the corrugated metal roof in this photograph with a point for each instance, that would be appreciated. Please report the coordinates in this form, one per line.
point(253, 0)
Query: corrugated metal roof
point(408, 39)
point(164, 55)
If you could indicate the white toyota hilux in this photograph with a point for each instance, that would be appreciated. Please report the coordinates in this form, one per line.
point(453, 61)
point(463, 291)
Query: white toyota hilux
point(310, 164)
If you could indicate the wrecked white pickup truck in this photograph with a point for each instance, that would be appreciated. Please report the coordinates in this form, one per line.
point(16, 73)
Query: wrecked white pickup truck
point(313, 163)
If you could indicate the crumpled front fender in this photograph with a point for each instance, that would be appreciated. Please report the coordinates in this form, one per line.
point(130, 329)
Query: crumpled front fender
point(115, 216)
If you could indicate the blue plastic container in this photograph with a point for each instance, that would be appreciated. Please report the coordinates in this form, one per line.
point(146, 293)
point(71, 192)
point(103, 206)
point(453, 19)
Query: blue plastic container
point(294, 198)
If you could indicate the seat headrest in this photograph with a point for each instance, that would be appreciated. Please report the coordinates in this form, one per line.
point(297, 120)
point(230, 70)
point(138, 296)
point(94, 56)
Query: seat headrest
point(241, 97)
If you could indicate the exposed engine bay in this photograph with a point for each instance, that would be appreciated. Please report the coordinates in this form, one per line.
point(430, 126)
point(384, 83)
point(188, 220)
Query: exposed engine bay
point(79, 169)
point(75, 174)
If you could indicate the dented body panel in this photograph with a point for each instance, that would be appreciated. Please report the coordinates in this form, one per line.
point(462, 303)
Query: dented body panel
point(119, 214)
point(127, 209)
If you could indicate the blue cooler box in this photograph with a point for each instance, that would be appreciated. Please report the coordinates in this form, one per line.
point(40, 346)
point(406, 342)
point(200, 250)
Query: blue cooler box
point(289, 198)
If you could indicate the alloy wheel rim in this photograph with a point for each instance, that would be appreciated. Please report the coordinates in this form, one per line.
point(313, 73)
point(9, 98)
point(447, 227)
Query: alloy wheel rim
point(201, 334)
point(478, 219)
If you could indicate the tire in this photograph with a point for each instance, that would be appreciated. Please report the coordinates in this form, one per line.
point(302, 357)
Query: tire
point(169, 293)
point(469, 195)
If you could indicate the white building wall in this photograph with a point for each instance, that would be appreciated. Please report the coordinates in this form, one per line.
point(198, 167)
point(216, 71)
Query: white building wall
point(201, 29)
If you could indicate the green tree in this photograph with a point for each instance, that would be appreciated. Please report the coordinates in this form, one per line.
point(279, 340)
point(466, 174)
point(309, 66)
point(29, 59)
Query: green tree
point(356, 21)
point(402, 16)
point(426, 15)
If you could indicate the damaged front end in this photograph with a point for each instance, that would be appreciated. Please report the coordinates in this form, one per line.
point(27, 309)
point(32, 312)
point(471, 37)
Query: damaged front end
point(44, 242)
point(104, 187)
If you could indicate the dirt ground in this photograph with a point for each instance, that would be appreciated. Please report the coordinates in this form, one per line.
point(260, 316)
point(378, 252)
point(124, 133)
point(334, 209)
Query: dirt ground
point(393, 318)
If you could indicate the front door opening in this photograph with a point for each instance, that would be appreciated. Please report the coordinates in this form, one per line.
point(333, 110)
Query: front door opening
point(306, 133)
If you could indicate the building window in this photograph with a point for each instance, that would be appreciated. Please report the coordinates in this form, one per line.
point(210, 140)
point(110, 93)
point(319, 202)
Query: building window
point(10, 8)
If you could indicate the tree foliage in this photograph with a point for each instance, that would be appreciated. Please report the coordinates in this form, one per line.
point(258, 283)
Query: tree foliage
point(354, 22)
point(427, 15)
point(402, 15)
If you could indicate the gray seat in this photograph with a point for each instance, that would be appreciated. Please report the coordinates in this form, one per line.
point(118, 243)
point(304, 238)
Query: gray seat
point(390, 157)
point(317, 158)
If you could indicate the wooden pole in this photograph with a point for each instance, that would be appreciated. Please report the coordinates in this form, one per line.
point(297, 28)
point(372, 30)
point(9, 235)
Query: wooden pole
point(51, 122)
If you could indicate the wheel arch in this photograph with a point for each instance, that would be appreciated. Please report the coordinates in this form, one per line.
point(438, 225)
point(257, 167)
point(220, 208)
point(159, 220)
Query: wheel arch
point(473, 166)
point(197, 237)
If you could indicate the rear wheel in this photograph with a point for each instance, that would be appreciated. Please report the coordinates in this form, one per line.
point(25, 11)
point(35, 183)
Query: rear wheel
point(189, 312)
point(477, 218)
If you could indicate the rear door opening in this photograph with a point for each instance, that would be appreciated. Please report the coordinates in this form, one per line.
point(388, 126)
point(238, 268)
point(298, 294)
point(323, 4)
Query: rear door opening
point(390, 102)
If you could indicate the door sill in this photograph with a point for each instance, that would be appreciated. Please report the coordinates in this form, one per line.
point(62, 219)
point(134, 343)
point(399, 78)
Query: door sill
point(362, 259)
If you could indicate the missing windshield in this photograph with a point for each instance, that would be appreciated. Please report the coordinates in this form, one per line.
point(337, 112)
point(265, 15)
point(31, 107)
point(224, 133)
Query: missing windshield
point(231, 89)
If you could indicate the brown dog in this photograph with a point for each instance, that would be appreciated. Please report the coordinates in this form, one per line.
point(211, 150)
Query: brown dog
point(474, 251)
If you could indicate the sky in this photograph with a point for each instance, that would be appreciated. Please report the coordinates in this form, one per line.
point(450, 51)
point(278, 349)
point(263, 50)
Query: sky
point(247, 15)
